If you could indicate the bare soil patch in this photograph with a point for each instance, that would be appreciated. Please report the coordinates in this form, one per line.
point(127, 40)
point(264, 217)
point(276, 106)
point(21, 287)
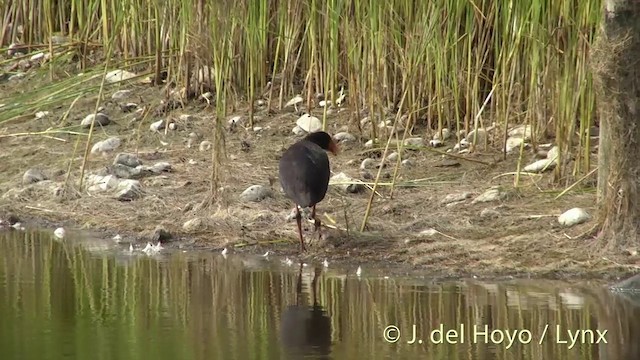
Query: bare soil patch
point(518, 235)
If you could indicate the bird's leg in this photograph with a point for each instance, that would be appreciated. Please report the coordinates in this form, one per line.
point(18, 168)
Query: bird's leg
point(316, 222)
point(299, 221)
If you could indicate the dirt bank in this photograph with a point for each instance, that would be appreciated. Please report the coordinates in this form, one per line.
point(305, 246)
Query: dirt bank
point(517, 235)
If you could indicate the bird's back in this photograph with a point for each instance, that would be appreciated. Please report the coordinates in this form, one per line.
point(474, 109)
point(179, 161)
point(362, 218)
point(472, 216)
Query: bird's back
point(304, 173)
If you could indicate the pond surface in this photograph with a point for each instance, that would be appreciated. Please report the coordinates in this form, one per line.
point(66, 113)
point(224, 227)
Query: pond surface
point(80, 299)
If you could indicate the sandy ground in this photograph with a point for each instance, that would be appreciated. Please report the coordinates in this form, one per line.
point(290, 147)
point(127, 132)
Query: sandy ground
point(518, 235)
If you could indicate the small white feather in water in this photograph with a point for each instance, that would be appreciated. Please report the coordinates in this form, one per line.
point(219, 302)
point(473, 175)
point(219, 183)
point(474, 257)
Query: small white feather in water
point(59, 233)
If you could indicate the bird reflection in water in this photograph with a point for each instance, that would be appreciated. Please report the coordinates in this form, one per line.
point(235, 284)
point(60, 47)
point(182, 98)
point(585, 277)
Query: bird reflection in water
point(305, 331)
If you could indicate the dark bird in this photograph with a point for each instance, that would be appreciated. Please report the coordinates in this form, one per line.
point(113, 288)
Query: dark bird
point(304, 174)
point(305, 331)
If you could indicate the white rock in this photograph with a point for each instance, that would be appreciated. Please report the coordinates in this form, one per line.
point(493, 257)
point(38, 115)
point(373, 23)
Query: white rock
point(298, 130)
point(573, 217)
point(344, 137)
point(367, 163)
point(416, 141)
point(128, 190)
point(513, 143)
point(455, 197)
point(346, 183)
point(121, 94)
point(42, 114)
point(100, 119)
point(445, 135)
point(540, 165)
point(493, 194)
point(324, 103)
point(480, 138)
point(553, 154)
point(118, 75)
point(309, 123)
point(188, 117)
point(205, 145)
point(235, 120)
point(435, 143)
point(295, 101)
point(157, 125)
point(255, 193)
point(59, 233)
point(257, 128)
point(37, 57)
point(368, 144)
point(407, 162)
point(107, 145)
point(521, 131)
point(429, 232)
point(393, 157)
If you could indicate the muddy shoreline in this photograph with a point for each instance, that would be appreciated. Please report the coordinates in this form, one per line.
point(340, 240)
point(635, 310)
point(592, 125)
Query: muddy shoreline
point(516, 234)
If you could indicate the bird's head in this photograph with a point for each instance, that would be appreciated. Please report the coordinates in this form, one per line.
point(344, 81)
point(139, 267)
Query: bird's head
point(323, 140)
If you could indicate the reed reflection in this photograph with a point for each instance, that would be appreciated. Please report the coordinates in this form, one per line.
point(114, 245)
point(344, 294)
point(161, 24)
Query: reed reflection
point(306, 330)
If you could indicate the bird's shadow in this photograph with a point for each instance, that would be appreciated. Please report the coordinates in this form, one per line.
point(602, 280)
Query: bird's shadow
point(306, 330)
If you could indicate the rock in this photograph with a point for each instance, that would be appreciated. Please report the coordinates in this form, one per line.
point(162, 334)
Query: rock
point(513, 143)
point(99, 183)
point(493, 194)
point(205, 145)
point(100, 119)
point(369, 144)
point(157, 125)
point(346, 183)
point(436, 143)
point(118, 75)
point(553, 154)
point(188, 118)
point(573, 217)
point(481, 136)
point(489, 213)
point(309, 123)
point(344, 137)
point(125, 172)
point(121, 95)
point(107, 145)
point(295, 101)
point(160, 234)
point(367, 164)
point(236, 120)
point(445, 135)
point(450, 198)
point(128, 107)
point(428, 232)
point(393, 157)
point(42, 114)
point(128, 190)
point(257, 128)
point(416, 141)
point(407, 163)
point(33, 175)
point(255, 193)
point(521, 131)
point(160, 167)
point(37, 57)
point(540, 165)
point(193, 225)
point(297, 130)
point(130, 160)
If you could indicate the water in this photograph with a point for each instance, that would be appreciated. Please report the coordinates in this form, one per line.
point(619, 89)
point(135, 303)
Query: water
point(62, 300)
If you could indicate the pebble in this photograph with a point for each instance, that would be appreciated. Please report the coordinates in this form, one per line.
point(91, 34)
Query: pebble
point(344, 137)
point(513, 143)
point(126, 159)
point(540, 165)
point(33, 175)
point(107, 145)
point(121, 95)
point(481, 136)
point(521, 131)
point(99, 183)
point(493, 194)
point(160, 167)
point(255, 193)
point(297, 130)
point(436, 143)
point(416, 141)
point(118, 75)
point(573, 217)
point(450, 198)
point(340, 180)
point(157, 125)
point(235, 120)
point(128, 190)
point(407, 162)
point(295, 101)
point(37, 57)
point(393, 157)
point(100, 119)
point(192, 225)
point(126, 172)
point(367, 164)
point(59, 233)
point(309, 123)
point(205, 145)
point(188, 117)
